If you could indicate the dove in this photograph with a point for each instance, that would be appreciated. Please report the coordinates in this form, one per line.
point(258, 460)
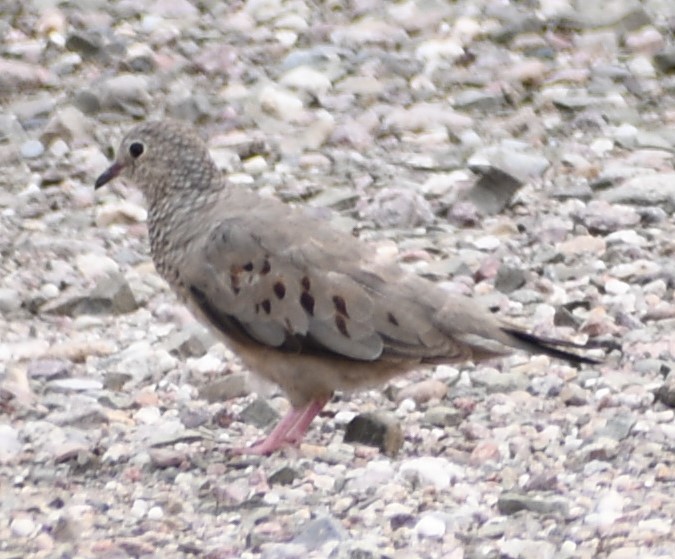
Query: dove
point(304, 305)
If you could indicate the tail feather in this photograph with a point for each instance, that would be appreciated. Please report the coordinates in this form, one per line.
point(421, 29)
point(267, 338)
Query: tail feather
point(550, 346)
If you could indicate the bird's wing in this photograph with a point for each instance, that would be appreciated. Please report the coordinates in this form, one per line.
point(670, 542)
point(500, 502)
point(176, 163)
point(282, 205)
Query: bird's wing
point(290, 282)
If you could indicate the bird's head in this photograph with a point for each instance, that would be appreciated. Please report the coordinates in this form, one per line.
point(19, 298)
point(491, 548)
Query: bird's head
point(161, 157)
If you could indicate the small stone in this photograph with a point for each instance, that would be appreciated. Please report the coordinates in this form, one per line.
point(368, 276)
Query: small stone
point(31, 149)
point(10, 300)
point(139, 508)
point(10, 444)
point(430, 526)
point(166, 457)
point(49, 368)
point(155, 513)
point(379, 429)
point(511, 503)
point(75, 385)
point(192, 341)
point(283, 476)
point(315, 533)
point(496, 381)
point(443, 416)
point(431, 470)
point(125, 213)
point(231, 386)
point(666, 392)
point(573, 395)
point(423, 391)
point(23, 526)
point(509, 279)
point(494, 189)
point(258, 413)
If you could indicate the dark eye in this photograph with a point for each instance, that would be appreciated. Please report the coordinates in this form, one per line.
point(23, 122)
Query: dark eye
point(136, 149)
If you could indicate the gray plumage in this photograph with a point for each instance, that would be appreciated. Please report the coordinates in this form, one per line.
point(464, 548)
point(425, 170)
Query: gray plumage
point(304, 305)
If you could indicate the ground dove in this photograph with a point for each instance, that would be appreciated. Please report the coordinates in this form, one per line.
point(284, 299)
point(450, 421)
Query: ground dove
point(304, 305)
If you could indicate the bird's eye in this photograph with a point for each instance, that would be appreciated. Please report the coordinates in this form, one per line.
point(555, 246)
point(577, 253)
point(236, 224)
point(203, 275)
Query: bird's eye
point(136, 150)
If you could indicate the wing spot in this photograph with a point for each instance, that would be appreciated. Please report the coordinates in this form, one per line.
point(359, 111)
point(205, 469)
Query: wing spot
point(279, 290)
point(307, 302)
point(340, 305)
point(257, 308)
point(248, 267)
point(266, 267)
point(234, 282)
point(342, 326)
point(306, 284)
point(267, 306)
point(392, 319)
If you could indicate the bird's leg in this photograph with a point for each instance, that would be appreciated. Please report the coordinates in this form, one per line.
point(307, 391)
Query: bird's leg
point(289, 431)
point(299, 429)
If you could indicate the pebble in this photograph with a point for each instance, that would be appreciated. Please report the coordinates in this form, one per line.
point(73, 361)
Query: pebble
point(22, 526)
point(430, 526)
point(32, 149)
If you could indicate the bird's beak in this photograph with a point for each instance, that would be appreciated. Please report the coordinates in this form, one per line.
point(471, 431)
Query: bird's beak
point(109, 174)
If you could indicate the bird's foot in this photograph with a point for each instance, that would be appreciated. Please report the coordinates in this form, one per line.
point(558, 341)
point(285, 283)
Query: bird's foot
point(290, 431)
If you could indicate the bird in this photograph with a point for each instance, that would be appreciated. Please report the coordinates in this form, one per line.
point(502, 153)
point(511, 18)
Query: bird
point(304, 305)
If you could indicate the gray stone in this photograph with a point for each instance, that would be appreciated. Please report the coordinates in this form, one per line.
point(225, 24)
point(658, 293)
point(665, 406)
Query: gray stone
point(618, 427)
point(645, 190)
point(511, 503)
point(192, 341)
point(494, 189)
point(495, 381)
point(666, 392)
point(230, 386)
point(315, 533)
point(509, 279)
point(258, 413)
point(10, 300)
point(379, 429)
point(443, 416)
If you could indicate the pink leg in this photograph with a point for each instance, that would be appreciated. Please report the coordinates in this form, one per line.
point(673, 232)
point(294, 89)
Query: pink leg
point(298, 431)
point(290, 430)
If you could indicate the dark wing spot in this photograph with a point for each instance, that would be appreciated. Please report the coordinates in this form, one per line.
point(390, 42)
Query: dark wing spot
point(307, 302)
point(340, 305)
point(265, 269)
point(248, 266)
point(341, 325)
point(257, 308)
point(279, 290)
point(392, 319)
point(267, 306)
point(234, 282)
point(306, 284)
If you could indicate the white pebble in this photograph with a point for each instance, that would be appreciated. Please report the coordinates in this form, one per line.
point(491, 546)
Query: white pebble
point(22, 526)
point(139, 509)
point(31, 149)
point(616, 287)
point(155, 513)
point(148, 415)
point(430, 526)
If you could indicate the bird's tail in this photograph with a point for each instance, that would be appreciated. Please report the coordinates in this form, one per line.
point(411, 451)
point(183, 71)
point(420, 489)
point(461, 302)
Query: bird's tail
point(549, 346)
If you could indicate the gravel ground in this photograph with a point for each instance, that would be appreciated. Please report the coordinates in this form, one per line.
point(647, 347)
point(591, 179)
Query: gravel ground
point(518, 152)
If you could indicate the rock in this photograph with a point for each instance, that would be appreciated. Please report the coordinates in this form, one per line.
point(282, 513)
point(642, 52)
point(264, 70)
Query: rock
point(511, 503)
point(494, 189)
point(423, 391)
point(431, 525)
point(618, 427)
point(443, 416)
point(75, 384)
point(112, 295)
point(379, 429)
point(666, 392)
point(431, 470)
point(398, 207)
point(573, 395)
point(258, 413)
point(315, 533)
point(22, 526)
point(495, 381)
point(10, 300)
point(10, 444)
point(283, 476)
point(231, 386)
point(49, 368)
point(509, 279)
point(645, 190)
point(192, 341)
